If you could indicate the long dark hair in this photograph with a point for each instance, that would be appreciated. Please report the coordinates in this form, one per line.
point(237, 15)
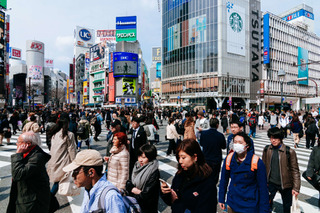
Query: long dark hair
point(192, 147)
point(61, 124)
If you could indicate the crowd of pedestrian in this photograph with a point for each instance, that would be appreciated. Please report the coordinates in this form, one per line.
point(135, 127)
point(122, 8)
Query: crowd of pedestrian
point(127, 177)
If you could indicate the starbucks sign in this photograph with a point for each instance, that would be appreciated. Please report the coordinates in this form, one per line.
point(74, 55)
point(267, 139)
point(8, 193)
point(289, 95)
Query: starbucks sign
point(236, 22)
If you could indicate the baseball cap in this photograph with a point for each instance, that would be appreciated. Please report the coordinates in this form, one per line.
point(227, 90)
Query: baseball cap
point(89, 157)
point(115, 123)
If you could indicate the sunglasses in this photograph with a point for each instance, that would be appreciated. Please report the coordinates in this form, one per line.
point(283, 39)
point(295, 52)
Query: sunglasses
point(76, 172)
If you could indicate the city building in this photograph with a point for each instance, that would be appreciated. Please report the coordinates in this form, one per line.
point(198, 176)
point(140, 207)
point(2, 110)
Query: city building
point(211, 52)
point(80, 76)
point(58, 87)
point(155, 75)
point(290, 46)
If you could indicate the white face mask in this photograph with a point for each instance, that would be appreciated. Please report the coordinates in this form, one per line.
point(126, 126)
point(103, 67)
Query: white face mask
point(238, 148)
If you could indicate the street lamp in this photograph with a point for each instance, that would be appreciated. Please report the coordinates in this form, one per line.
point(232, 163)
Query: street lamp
point(281, 75)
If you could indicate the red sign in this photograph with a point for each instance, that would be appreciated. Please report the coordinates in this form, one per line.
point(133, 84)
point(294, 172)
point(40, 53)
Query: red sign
point(16, 53)
point(111, 88)
point(49, 62)
point(36, 46)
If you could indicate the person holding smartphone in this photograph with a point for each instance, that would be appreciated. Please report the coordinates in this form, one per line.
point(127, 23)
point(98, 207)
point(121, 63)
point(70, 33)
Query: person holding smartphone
point(192, 187)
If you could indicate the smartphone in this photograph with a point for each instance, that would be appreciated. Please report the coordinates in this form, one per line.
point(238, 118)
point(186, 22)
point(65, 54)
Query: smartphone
point(162, 181)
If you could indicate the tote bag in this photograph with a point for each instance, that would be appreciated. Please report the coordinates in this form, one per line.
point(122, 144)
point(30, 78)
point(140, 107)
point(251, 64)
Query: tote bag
point(67, 186)
point(295, 208)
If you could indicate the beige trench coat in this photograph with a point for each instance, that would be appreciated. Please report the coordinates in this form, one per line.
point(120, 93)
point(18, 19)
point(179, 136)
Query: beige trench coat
point(63, 152)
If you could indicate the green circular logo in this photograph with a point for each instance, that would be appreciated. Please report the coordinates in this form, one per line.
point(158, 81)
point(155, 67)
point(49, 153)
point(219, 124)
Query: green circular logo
point(236, 22)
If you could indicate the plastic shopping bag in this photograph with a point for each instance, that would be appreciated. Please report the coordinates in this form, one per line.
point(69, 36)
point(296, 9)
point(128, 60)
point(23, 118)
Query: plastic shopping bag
point(295, 208)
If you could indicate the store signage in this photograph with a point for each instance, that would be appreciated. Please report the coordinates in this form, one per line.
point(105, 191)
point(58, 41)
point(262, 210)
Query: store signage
point(97, 67)
point(84, 34)
point(15, 53)
point(36, 46)
point(126, 22)
point(126, 35)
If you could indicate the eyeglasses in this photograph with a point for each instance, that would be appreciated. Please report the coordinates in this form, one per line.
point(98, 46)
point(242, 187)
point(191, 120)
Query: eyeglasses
point(76, 172)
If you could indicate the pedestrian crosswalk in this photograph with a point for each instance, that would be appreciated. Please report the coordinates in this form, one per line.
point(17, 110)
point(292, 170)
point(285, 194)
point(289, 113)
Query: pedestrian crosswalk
point(308, 197)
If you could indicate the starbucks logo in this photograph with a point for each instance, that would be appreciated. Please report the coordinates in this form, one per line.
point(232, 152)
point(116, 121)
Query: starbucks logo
point(236, 22)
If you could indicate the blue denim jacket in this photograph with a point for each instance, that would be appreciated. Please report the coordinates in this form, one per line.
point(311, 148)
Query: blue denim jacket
point(113, 200)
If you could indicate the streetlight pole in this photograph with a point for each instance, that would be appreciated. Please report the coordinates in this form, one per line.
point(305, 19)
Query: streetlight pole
point(281, 75)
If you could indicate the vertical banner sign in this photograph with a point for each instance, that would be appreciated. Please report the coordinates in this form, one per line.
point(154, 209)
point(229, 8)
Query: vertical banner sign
point(111, 88)
point(236, 32)
point(303, 71)
point(2, 44)
point(255, 47)
point(262, 90)
point(68, 91)
point(266, 39)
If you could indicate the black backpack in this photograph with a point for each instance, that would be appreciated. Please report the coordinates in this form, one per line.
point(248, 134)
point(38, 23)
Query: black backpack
point(180, 128)
point(81, 130)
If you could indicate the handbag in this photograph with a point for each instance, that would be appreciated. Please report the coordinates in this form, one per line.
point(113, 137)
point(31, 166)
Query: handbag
point(295, 208)
point(67, 186)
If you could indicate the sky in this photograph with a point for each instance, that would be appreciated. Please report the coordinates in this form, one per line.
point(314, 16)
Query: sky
point(53, 22)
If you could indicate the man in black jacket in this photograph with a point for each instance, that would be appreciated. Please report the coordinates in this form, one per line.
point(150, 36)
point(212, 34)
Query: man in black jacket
point(138, 138)
point(30, 190)
point(212, 143)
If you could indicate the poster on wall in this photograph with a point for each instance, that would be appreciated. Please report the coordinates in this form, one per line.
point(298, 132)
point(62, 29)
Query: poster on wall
point(198, 30)
point(97, 52)
point(176, 36)
point(129, 86)
point(236, 35)
point(36, 74)
point(303, 71)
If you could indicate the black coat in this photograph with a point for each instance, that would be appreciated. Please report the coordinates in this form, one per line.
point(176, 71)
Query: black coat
point(149, 197)
point(140, 139)
point(30, 190)
point(197, 194)
point(212, 143)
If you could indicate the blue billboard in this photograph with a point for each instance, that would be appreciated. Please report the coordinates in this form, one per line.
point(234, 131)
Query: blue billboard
point(158, 70)
point(298, 14)
point(266, 39)
point(125, 64)
point(303, 71)
point(126, 22)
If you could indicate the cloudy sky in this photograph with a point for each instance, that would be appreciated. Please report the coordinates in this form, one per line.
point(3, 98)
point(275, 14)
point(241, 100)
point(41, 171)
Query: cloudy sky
point(53, 22)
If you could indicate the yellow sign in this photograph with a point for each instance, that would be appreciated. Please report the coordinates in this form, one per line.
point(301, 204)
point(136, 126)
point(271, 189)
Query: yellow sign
point(129, 86)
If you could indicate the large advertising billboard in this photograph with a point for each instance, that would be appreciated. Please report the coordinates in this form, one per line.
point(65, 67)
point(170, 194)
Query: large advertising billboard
point(15, 53)
point(97, 52)
point(129, 86)
point(303, 71)
point(126, 22)
point(106, 35)
point(126, 35)
point(126, 28)
point(156, 54)
point(3, 4)
point(83, 37)
point(125, 64)
point(236, 32)
point(36, 74)
point(266, 39)
point(158, 70)
point(198, 29)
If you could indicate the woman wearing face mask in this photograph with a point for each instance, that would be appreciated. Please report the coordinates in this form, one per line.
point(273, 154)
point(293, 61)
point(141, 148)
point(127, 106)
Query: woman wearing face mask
point(248, 191)
point(144, 184)
point(193, 189)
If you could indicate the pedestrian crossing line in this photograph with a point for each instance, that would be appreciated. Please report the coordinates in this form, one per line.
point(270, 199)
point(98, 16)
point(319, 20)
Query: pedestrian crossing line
point(4, 163)
point(306, 207)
